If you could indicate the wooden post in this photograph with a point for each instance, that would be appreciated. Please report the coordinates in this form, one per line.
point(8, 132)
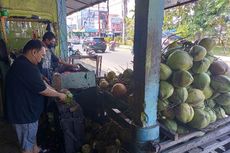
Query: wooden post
point(3, 22)
point(147, 57)
point(62, 28)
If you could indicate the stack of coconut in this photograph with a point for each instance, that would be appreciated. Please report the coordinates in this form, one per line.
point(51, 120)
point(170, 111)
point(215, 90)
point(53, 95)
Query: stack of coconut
point(194, 87)
point(121, 86)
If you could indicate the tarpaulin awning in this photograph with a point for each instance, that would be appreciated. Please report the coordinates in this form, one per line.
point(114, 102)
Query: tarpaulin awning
point(44, 9)
point(77, 5)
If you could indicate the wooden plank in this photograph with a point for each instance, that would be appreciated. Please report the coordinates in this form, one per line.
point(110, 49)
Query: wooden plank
point(208, 144)
point(216, 145)
point(214, 151)
point(199, 141)
point(227, 146)
point(222, 138)
point(118, 118)
point(170, 143)
point(175, 136)
point(195, 150)
point(221, 149)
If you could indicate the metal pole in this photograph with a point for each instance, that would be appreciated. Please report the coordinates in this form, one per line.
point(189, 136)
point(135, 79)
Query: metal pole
point(107, 26)
point(147, 56)
point(63, 28)
point(99, 23)
point(124, 15)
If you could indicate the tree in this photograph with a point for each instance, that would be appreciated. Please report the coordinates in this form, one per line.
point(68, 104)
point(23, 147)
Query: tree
point(204, 16)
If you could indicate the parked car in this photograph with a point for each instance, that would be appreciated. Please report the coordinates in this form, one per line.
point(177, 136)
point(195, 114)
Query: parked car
point(94, 43)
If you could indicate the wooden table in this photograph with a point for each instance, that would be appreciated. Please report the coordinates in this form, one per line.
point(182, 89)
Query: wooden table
point(96, 58)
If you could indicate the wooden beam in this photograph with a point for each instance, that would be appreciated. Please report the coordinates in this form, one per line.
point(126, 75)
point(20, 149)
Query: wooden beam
point(82, 2)
point(200, 141)
point(147, 53)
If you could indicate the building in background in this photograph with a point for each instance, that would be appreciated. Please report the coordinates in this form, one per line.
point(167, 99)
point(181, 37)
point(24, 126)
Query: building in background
point(109, 21)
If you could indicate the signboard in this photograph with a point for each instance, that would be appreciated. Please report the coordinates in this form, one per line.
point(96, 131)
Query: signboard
point(174, 3)
point(116, 24)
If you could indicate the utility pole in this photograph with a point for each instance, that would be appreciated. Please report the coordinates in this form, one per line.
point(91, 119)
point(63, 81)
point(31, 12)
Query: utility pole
point(124, 14)
point(99, 23)
point(107, 26)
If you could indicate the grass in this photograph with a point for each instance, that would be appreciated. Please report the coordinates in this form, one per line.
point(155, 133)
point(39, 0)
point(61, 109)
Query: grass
point(219, 50)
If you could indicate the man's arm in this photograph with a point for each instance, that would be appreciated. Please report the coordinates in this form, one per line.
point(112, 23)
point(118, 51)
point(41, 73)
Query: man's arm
point(67, 64)
point(50, 92)
point(60, 61)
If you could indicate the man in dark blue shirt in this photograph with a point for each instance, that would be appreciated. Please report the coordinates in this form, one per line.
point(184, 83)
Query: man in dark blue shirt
point(24, 94)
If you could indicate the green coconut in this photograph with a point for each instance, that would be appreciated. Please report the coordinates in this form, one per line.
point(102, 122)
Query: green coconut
point(166, 90)
point(220, 83)
point(162, 105)
point(168, 113)
point(103, 84)
point(195, 96)
point(128, 73)
point(220, 113)
point(210, 56)
point(201, 66)
point(223, 99)
point(207, 43)
point(199, 105)
point(179, 96)
point(184, 112)
point(182, 130)
point(200, 120)
point(165, 72)
point(198, 53)
point(210, 103)
point(110, 76)
point(208, 92)
point(171, 50)
point(227, 73)
point(218, 67)
point(227, 109)
point(211, 114)
point(182, 78)
point(201, 81)
point(171, 125)
point(179, 60)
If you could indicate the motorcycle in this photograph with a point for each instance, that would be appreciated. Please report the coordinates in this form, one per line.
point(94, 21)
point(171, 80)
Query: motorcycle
point(112, 46)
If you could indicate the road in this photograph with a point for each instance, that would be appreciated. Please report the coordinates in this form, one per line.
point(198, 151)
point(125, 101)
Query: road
point(116, 61)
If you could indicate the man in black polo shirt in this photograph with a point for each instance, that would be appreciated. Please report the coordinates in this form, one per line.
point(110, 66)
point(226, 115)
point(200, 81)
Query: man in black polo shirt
point(24, 94)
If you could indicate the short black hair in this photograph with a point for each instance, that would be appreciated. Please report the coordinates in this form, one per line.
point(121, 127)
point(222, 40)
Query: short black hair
point(33, 44)
point(48, 35)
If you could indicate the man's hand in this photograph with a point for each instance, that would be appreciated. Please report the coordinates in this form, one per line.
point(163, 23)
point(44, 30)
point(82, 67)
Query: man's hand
point(62, 97)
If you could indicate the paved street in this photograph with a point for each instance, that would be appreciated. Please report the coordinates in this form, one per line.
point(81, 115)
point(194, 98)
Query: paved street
point(117, 60)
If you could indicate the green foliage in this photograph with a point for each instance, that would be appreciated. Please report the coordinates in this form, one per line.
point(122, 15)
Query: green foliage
point(210, 18)
point(108, 39)
point(118, 39)
point(130, 28)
